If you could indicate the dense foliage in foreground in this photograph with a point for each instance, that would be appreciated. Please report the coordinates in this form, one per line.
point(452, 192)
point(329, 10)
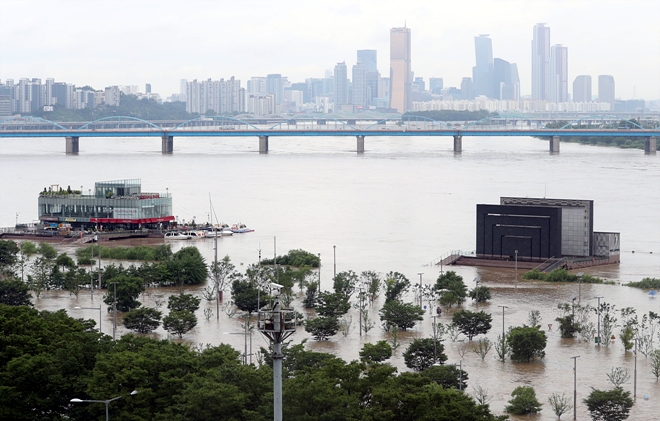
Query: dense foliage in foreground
point(48, 358)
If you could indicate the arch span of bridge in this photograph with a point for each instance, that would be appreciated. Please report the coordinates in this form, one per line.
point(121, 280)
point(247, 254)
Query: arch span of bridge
point(225, 126)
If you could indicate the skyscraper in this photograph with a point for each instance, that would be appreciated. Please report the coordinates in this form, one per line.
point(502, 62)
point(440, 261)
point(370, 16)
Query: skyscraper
point(400, 70)
point(606, 90)
point(360, 87)
point(582, 89)
point(341, 85)
point(541, 62)
point(482, 73)
point(435, 85)
point(467, 91)
point(506, 81)
point(559, 73)
point(275, 86)
point(370, 60)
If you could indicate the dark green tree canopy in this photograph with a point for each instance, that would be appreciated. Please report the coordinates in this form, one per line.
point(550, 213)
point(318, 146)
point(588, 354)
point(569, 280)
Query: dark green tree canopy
point(128, 290)
point(396, 285)
point(451, 288)
point(246, 295)
point(179, 322)
point(322, 328)
point(609, 405)
point(447, 376)
point(472, 323)
point(402, 315)
point(13, 292)
point(423, 353)
point(183, 302)
point(143, 320)
point(526, 343)
point(523, 401)
point(375, 353)
point(332, 304)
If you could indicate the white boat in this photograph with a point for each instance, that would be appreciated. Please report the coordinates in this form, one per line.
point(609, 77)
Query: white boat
point(175, 235)
point(240, 228)
point(196, 234)
point(219, 233)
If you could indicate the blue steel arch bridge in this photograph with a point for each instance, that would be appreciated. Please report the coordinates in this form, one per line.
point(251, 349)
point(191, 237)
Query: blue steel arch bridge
point(332, 126)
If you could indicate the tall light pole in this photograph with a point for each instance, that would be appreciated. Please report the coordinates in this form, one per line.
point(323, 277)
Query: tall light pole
point(98, 240)
point(93, 308)
point(476, 289)
point(579, 276)
point(114, 312)
point(16, 224)
point(334, 253)
point(319, 272)
point(503, 307)
point(435, 339)
point(599, 338)
point(276, 324)
point(75, 400)
point(635, 375)
point(575, 387)
point(421, 302)
point(516, 252)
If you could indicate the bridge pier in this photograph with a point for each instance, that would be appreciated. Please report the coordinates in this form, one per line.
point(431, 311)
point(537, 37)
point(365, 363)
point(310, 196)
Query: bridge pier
point(554, 144)
point(167, 145)
point(263, 144)
point(360, 144)
point(650, 146)
point(72, 145)
point(458, 144)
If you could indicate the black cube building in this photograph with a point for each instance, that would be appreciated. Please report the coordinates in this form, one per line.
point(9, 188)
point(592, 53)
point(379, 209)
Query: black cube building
point(535, 232)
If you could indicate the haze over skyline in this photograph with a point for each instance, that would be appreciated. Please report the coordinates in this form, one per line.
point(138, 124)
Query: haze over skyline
point(105, 43)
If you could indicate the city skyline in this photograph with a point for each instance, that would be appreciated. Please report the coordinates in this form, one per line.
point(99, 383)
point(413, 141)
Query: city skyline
point(149, 44)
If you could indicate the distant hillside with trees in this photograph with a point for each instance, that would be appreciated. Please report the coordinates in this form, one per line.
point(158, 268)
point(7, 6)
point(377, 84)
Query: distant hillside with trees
point(130, 106)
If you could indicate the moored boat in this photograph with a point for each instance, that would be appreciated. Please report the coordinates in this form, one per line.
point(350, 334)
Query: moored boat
point(240, 228)
point(175, 235)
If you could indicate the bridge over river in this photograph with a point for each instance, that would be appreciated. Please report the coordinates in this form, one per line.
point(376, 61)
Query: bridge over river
point(223, 126)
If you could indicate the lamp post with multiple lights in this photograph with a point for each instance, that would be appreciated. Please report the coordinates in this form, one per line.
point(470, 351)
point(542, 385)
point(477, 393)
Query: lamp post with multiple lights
point(106, 402)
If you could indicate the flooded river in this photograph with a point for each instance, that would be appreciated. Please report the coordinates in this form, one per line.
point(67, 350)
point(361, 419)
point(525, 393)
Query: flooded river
point(398, 207)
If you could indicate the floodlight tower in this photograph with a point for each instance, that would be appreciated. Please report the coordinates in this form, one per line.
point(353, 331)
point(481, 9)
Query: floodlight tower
point(276, 324)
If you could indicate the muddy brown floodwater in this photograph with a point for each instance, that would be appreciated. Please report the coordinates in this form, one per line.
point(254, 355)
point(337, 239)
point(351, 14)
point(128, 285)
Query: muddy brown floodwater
point(399, 206)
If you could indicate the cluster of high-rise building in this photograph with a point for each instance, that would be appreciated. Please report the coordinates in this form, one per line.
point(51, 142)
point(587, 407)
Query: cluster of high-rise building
point(494, 86)
point(30, 96)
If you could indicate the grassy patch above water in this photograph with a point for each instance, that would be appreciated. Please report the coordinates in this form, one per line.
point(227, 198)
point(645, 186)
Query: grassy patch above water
point(562, 275)
point(646, 283)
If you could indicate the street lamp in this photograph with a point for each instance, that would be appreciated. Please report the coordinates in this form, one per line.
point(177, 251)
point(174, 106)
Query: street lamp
point(334, 253)
point(635, 375)
point(435, 338)
point(76, 400)
point(16, 224)
point(579, 276)
point(421, 303)
point(114, 312)
point(599, 338)
point(92, 308)
point(575, 387)
point(516, 253)
point(476, 288)
point(319, 272)
point(503, 307)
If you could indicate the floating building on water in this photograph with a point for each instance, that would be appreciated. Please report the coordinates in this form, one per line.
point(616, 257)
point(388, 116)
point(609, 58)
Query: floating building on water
point(112, 204)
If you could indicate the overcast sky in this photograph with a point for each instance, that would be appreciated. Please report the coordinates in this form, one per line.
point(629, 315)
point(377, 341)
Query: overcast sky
point(119, 42)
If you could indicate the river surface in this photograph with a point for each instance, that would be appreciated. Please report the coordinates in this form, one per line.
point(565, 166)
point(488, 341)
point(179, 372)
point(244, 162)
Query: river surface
point(398, 207)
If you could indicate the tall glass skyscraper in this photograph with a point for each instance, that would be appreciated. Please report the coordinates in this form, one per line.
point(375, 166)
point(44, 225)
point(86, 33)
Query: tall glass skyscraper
point(541, 62)
point(400, 70)
point(482, 73)
point(559, 73)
